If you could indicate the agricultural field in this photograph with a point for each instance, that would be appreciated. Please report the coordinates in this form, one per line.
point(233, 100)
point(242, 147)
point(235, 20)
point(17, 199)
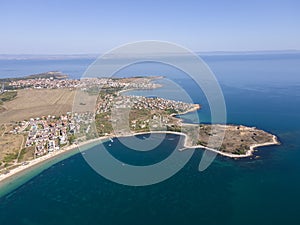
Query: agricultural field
point(11, 145)
point(35, 103)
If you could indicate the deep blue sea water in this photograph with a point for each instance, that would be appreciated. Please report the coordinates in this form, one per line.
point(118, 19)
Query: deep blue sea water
point(259, 90)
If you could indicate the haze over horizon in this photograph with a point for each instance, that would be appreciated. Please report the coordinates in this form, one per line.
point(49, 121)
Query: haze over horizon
point(72, 27)
point(95, 55)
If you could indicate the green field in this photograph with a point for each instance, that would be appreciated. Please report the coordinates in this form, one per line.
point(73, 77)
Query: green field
point(7, 96)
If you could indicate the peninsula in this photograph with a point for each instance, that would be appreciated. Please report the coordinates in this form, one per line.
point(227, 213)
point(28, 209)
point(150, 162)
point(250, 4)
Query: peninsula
point(39, 120)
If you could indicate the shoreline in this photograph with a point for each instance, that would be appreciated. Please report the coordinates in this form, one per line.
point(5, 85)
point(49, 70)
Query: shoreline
point(248, 153)
point(43, 159)
point(48, 157)
point(73, 147)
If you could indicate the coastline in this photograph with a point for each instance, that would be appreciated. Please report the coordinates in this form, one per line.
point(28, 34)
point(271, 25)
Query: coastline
point(4, 178)
point(143, 89)
point(49, 156)
point(247, 154)
point(73, 147)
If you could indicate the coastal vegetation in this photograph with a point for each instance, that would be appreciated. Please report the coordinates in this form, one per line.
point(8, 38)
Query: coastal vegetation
point(37, 121)
point(7, 96)
point(47, 75)
point(103, 124)
point(10, 145)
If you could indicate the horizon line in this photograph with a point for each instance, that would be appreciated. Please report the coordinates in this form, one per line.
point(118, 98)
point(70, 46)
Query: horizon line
point(93, 55)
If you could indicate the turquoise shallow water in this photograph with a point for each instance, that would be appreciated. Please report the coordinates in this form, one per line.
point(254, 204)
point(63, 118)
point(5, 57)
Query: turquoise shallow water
point(262, 92)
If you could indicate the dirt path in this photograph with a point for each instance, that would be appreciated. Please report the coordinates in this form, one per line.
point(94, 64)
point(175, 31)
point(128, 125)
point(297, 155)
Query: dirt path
point(5, 128)
point(20, 150)
point(32, 103)
point(59, 98)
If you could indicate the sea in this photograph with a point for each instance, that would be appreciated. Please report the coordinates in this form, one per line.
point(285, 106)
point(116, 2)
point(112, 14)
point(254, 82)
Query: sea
point(260, 90)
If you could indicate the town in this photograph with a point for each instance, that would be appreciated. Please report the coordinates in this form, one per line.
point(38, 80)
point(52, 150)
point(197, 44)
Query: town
point(84, 83)
point(108, 101)
point(50, 133)
point(111, 113)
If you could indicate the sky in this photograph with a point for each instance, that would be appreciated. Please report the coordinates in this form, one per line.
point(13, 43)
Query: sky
point(96, 26)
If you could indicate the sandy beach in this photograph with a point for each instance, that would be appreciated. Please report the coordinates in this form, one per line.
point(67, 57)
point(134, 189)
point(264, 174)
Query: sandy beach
point(47, 157)
point(73, 147)
point(30, 164)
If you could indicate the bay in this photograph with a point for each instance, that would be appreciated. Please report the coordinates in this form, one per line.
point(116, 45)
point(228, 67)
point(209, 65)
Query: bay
point(261, 91)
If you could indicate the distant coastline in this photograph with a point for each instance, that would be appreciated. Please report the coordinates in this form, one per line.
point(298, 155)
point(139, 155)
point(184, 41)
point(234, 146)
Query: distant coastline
point(96, 55)
point(46, 56)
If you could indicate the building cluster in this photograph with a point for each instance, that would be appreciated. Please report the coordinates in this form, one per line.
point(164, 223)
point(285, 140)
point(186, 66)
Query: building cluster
point(85, 83)
point(50, 133)
point(2, 90)
point(44, 83)
point(156, 121)
point(108, 101)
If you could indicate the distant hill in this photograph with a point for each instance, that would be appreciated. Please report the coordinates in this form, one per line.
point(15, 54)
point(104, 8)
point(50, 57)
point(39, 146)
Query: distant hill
point(47, 57)
point(266, 52)
point(51, 74)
